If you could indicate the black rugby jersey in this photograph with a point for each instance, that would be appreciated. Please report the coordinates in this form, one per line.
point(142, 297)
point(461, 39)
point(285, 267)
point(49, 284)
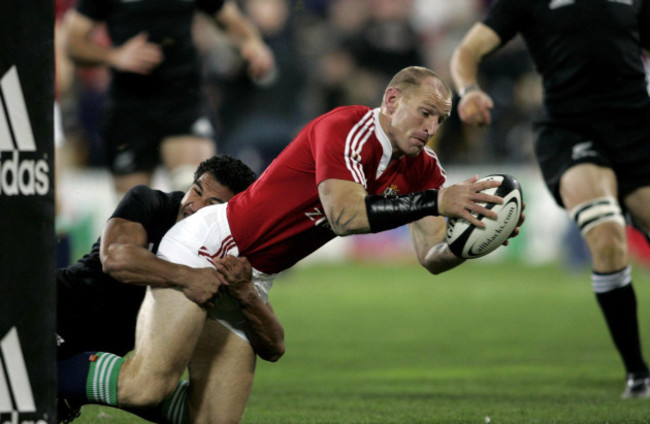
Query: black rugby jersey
point(587, 51)
point(85, 293)
point(167, 23)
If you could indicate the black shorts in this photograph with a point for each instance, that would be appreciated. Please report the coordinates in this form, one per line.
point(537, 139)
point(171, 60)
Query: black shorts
point(94, 320)
point(133, 129)
point(622, 145)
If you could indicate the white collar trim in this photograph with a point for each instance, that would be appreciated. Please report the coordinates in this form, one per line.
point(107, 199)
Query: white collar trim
point(385, 144)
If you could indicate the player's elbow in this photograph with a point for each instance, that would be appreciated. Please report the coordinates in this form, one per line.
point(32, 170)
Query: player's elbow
point(435, 270)
point(275, 352)
point(341, 231)
point(115, 263)
point(272, 347)
point(432, 266)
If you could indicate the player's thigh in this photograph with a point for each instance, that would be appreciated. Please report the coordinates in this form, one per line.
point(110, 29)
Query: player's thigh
point(221, 376)
point(638, 204)
point(586, 181)
point(168, 327)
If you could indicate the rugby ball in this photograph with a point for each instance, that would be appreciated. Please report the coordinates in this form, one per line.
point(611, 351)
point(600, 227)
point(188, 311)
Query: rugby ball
point(468, 241)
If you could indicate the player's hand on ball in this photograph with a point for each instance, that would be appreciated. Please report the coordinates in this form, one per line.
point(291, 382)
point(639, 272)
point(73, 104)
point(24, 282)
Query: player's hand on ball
point(466, 200)
point(468, 240)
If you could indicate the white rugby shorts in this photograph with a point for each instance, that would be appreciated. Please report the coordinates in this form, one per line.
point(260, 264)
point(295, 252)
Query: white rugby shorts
point(200, 239)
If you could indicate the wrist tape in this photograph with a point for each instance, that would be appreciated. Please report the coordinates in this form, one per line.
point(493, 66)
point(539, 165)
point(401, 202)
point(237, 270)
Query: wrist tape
point(387, 212)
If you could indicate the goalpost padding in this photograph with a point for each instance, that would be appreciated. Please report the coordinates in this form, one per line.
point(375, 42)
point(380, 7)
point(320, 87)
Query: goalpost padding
point(27, 245)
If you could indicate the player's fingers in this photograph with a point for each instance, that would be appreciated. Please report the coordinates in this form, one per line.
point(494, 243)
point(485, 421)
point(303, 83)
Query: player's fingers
point(473, 220)
point(522, 218)
point(487, 198)
point(482, 210)
point(222, 279)
point(485, 184)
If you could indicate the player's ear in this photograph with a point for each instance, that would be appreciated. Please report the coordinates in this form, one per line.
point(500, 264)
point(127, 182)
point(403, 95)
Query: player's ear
point(391, 96)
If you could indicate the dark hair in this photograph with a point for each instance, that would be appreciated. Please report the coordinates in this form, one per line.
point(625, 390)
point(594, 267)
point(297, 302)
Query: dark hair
point(228, 171)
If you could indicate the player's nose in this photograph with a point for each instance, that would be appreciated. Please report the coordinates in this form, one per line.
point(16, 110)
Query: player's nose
point(432, 125)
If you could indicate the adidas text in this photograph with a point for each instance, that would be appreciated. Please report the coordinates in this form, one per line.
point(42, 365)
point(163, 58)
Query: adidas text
point(25, 177)
point(22, 171)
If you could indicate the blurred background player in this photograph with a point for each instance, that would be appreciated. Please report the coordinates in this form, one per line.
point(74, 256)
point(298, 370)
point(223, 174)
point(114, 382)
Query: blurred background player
point(593, 143)
point(155, 111)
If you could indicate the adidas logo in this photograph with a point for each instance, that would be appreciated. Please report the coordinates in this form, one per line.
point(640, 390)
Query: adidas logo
point(19, 175)
point(15, 389)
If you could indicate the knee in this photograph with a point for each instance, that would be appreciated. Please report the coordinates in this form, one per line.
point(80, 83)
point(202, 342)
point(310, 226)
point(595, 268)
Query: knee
point(602, 225)
point(608, 246)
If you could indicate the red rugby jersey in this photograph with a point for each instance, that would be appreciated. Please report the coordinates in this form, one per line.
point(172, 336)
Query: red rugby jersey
point(279, 219)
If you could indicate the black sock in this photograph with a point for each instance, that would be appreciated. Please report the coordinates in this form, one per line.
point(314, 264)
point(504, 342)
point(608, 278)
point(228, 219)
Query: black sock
point(619, 308)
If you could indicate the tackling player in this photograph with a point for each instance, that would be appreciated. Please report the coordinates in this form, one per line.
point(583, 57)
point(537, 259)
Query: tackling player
point(99, 296)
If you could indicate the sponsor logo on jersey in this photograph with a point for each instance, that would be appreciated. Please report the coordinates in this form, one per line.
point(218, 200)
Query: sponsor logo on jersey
point(21, 171)
point(391, 190)
point(583, 150)
point(16, 395)
point(554, 4)
point(318, 217)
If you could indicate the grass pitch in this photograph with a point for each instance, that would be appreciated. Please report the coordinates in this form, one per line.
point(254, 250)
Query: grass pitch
point(484, 343)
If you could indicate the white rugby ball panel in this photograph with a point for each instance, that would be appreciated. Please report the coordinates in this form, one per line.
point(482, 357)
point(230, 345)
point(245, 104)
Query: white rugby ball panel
point(468, 241)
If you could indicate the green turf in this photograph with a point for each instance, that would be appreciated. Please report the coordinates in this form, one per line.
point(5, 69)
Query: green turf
point(482, 343)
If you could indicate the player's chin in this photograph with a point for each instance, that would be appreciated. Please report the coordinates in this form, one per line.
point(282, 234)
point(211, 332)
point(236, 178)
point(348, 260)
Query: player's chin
point(415, 149)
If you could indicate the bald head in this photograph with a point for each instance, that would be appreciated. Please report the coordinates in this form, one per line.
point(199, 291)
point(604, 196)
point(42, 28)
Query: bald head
point(410, 79)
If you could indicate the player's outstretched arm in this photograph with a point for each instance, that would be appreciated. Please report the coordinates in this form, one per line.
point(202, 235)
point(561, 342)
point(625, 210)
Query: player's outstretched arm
point(262, 326)
point(350, 210)
point(125, 257)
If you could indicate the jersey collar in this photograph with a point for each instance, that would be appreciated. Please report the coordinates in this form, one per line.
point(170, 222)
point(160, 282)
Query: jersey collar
point(385, 144)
